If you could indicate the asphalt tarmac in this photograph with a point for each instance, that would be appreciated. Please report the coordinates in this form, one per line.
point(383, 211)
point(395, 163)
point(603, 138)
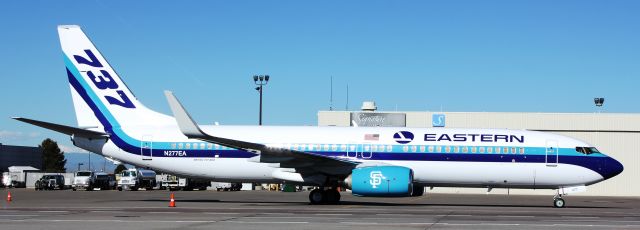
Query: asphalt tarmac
point(266, 210)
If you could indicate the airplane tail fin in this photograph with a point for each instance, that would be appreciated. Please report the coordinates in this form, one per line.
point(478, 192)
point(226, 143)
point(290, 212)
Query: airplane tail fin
point(100, 98)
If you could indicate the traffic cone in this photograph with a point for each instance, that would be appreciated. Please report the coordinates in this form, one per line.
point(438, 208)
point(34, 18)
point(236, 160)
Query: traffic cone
point(172, 203)
point(9, 197)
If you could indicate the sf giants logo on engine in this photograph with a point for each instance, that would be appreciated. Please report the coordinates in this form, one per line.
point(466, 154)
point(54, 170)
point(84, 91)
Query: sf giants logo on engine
point(103, 80)
point(376, 178)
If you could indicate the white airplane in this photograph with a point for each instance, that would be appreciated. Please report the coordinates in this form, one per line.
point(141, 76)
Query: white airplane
point(371, 161)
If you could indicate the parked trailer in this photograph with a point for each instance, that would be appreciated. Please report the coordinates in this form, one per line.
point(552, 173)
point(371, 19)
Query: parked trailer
point(16, 177)
point(174, 183)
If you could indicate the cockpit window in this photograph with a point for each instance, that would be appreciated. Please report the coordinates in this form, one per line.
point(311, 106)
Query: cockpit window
point(587, 150)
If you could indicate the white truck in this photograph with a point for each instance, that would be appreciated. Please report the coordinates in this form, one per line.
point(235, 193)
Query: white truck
point(83, 180)
point(134, 179)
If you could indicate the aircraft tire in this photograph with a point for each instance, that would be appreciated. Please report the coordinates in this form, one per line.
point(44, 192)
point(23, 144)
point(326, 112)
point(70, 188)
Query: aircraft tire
point(317, 196)
point(332, 196)
point(418, 190)
point(558, 203)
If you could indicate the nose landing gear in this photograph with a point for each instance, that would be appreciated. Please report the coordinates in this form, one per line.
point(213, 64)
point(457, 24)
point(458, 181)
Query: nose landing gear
point(558, 202)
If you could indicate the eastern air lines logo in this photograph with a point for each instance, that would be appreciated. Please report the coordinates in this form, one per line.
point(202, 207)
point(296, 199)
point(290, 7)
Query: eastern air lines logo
point(403, 137)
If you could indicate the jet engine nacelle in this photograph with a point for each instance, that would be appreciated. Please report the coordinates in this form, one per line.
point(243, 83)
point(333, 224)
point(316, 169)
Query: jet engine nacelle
point(382, 181)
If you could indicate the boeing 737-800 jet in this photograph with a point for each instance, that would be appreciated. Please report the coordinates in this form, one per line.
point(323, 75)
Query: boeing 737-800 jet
point(370, 161)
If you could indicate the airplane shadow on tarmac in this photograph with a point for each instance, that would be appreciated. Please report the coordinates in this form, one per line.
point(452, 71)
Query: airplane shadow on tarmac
point(368, 203)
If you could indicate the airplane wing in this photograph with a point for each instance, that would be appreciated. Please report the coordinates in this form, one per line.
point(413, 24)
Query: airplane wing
point(303, 162)
point(71, 131)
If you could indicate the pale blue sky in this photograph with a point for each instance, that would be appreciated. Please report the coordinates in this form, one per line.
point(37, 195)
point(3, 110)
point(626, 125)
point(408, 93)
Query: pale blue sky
point(533, 56)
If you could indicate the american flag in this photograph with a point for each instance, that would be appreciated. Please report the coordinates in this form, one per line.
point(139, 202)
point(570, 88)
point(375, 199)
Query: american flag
point(372, 137)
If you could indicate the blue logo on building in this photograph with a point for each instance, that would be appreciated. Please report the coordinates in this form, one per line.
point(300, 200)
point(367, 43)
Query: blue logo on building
point(403, 137)
point(438, 120)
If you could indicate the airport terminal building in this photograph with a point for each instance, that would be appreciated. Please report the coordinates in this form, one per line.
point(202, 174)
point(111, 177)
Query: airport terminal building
point(615, 134)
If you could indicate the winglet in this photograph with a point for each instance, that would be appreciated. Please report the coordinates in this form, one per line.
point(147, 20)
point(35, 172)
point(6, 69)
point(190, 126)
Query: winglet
point(188, 127)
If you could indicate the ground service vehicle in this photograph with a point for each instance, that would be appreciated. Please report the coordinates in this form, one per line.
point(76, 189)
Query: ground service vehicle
point(174, 183)
point(50, 182)
point(105, 181)
point(134, 179)
point(83, 180)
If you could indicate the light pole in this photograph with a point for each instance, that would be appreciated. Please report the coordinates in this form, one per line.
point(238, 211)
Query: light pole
point(79, 166)
point(599, 101)
point(260, 81)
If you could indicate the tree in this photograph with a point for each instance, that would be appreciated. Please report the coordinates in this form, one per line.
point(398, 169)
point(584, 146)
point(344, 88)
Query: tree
point(52, 158)
point(119, 169)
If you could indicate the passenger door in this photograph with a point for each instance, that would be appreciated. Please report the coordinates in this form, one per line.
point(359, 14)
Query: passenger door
point(551, 153)
point(146, 147)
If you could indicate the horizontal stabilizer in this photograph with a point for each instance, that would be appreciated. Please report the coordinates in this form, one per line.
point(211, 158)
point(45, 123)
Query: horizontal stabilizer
point(63, 128)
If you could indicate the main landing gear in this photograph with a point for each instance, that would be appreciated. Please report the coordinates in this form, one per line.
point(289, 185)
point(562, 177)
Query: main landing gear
point(321, 196)
point(558, 202)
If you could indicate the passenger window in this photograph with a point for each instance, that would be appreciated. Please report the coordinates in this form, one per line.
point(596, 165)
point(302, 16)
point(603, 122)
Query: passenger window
point(521, 150)
point(326, 147)
point(481, 149)
point(342, 147)
point(202, 145)
point(447, 149)
point(464, 149)
point(210, 146)
point(389, 148)
point(456, 149)
point(473, 149)
point(439, 149)
point(405, 148)
point(431, 148)
point(217, 146)
point(489, 149)
point(414, 148)
point(180, 146)
point(335, 147)
point(505, 150)
point(513, 150)
point(187, 146)
point(497, 149)
point(173, 145)
point(422, 148)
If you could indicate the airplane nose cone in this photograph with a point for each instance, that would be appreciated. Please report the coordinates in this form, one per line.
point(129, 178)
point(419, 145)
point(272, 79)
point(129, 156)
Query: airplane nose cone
point(612, 168)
